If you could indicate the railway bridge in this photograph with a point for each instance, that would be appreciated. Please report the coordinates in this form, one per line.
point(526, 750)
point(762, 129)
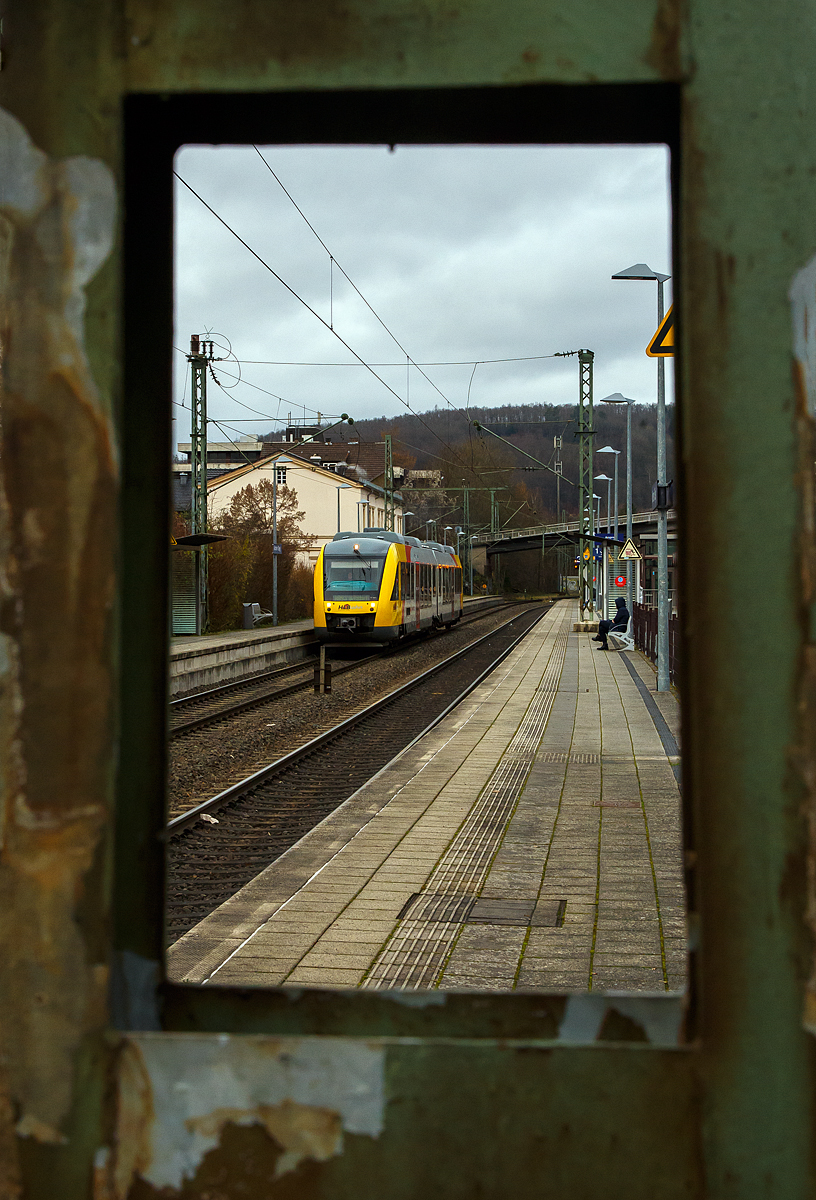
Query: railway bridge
point(549, 536)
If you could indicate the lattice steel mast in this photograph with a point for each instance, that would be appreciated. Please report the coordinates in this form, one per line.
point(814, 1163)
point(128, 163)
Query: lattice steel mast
point(585, 433)
point(199, 358)
point(389, 484)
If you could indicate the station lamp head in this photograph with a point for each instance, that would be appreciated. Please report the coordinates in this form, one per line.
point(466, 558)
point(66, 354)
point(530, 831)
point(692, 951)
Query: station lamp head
point(616, 398)
point(604, 478)
point(607, 450)
point(641, 271)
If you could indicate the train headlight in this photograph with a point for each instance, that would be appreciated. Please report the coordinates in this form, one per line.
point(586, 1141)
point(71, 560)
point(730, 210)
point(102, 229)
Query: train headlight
point(373, 605)
point(328, 607)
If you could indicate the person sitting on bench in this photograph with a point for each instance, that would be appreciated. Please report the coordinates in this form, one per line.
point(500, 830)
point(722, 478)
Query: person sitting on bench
point(621, 622)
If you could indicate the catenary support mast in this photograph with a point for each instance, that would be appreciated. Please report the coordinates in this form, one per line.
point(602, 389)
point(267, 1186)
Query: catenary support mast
point(199, 358)
point(585, 433)
point(389, 483)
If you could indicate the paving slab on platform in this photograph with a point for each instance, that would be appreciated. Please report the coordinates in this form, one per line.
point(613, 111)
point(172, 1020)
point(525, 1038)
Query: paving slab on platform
point(530, 841)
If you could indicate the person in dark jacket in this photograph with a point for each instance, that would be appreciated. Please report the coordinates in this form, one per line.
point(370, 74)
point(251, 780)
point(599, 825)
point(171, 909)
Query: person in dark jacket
point(620, 622)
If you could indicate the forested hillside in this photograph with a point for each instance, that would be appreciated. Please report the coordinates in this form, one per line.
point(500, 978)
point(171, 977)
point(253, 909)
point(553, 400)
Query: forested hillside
point(443, 440)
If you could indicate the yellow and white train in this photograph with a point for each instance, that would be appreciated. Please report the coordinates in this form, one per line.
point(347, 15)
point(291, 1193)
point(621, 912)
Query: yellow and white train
point(378, 586)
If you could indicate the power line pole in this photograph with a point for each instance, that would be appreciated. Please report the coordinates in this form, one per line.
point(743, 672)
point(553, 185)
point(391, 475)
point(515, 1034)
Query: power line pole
point(585, 434)
point(389, 483)
point(199, 358)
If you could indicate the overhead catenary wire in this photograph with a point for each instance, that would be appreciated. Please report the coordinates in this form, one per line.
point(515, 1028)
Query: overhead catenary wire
point(464, 362)
point(350, 281)
point(314, 313)
point(409, 361)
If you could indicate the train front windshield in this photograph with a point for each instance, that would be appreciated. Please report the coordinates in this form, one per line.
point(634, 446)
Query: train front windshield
point(356, 578)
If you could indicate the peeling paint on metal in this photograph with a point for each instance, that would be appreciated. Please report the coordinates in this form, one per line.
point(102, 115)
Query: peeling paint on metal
point(57, 521)
point(659, 1017)
point(665, 51)
point(177, 1092)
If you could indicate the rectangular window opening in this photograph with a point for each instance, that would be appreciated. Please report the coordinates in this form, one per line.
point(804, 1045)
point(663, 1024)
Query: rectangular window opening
point(556, 866)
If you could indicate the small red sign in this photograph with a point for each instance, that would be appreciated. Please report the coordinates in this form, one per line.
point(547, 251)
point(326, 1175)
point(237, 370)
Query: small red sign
point(620, 581)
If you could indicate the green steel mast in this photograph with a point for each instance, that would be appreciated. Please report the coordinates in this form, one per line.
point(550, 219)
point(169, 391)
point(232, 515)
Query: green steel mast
point(199, 358)
point(585, 434)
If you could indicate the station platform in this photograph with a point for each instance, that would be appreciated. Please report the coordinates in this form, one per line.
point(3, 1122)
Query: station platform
point(206, 660)
point(531, 841)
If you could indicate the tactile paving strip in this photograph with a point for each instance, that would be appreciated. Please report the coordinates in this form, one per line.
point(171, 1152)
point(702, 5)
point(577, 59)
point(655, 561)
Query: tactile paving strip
point(415, 955)
point(564, 756)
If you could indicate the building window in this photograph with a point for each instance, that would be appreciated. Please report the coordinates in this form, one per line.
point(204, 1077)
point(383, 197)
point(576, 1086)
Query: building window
point(280, 473)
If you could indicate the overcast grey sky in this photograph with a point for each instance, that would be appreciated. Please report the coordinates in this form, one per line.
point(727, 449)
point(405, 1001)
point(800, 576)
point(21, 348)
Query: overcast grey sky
point(466, 253)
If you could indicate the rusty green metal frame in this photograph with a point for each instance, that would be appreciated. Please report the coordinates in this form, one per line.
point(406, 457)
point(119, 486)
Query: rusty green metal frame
point(154, 128)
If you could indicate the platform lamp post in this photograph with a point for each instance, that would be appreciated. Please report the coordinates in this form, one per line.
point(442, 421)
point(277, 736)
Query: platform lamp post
point(448, 529)
point(280, 465)
point(607, 479)
point(341, 487)
point(610, 450)
point(617, 398)
point(596, 526)
point(642, 271)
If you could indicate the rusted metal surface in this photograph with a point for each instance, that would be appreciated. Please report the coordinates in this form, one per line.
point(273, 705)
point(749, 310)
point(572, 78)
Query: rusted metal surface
point(387, 43)
point(803, 303)
point(463, 1116)
point(57, 496)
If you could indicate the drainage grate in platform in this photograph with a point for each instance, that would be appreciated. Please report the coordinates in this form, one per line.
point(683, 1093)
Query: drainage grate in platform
point(431, 906)
point(486, 910)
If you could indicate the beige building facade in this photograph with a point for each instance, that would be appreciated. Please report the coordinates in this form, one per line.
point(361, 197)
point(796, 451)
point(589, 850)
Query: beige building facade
point(319, 493)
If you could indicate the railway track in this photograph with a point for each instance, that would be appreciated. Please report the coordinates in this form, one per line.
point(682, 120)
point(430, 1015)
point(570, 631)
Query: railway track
point(218, 846)
point(190, 713)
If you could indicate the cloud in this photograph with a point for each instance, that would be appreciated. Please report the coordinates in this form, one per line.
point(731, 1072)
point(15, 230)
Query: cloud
point(466, 253)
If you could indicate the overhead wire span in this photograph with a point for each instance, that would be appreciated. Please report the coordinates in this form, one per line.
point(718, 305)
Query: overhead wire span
point(224, 427)
point(465, 362)
point(316, 314)
point(351, 282)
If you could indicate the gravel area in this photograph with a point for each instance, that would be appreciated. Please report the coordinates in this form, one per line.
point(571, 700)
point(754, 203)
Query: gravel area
point(202, 764)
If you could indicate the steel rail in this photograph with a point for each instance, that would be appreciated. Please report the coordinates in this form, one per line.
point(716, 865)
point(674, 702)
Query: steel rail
point(222, 689)
point(233, 793)
point(242, 706)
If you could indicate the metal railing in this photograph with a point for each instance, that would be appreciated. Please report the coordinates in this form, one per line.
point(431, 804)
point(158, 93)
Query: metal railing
point(644, 631)
point(650, 599)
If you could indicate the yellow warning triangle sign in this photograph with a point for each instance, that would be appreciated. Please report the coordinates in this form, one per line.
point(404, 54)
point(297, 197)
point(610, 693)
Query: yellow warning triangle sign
point(662, 344)
point(630, 550)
